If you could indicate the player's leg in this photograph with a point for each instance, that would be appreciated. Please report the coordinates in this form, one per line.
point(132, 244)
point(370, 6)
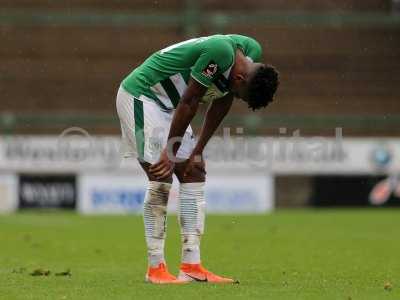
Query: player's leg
point(191, 211)
point(138, 129)
point(155, 223)
point(155, 216)
point(191, 218)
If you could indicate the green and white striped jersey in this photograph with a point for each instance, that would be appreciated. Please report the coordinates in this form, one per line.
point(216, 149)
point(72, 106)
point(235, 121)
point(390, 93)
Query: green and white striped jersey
point(163, 77)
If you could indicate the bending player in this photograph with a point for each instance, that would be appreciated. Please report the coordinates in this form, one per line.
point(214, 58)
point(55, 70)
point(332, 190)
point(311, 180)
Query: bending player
point(156, 104)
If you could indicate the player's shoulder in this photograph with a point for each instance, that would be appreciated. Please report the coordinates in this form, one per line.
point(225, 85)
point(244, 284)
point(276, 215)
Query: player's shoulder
point(235, 36)
point(218, 39)
point(219, 44)
point(244, 40)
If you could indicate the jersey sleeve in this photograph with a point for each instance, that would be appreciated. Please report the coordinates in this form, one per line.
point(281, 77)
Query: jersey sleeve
point(253, 50)
point(250, 47)
point(215, 58)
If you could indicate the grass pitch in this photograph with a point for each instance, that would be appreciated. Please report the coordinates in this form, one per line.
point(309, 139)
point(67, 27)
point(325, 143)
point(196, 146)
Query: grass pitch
point(307, 254)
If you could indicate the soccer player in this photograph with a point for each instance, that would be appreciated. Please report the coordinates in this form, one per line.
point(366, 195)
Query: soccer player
point(156, 104)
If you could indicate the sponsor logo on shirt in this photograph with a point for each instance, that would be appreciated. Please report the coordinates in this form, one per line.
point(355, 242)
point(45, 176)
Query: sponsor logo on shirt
point(210, 70)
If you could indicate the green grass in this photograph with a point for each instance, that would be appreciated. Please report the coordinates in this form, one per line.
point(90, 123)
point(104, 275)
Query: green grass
point(306, 254)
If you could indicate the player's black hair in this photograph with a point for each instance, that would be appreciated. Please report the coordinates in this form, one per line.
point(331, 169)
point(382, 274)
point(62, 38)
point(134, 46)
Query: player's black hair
point(262, 87)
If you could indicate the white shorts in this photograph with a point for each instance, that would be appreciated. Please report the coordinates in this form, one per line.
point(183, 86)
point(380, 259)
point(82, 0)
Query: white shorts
point(145, 129)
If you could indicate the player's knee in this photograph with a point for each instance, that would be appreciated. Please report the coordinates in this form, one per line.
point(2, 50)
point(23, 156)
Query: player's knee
point(146, 166)
point(194, 175)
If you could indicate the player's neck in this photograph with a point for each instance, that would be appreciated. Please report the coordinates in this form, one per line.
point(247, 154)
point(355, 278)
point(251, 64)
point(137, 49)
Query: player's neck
point(240, 65)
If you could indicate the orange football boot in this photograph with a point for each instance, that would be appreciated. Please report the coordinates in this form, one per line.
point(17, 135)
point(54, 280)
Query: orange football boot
point(160, 275)
point(196, 272)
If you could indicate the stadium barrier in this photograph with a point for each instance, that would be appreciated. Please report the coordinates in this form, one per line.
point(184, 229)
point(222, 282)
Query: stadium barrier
point(77, 151)
point(87, 173)
point(123, 193)
point(8, 192)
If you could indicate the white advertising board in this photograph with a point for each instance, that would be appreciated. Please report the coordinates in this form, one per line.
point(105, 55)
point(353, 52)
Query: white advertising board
point(110, 194)
point(122, 193)
point(8, 193)
point(295, 155)
point(59, 154)
point(310, 156)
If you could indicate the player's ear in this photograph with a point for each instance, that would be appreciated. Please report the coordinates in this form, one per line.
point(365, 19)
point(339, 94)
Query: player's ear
point(239, 77)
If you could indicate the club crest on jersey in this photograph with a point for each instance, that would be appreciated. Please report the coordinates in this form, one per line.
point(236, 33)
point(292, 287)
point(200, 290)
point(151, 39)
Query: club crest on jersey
point(210, 70)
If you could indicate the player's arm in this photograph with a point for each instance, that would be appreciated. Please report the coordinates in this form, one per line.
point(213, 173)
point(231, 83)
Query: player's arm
point(216, 112)
point(185, 111)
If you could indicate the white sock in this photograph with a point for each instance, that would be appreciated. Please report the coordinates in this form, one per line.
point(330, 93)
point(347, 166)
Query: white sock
point(191, 249)
point(191, 218)
point(155, 220)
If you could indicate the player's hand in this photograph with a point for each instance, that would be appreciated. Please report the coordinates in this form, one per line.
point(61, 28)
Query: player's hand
point(195, 164)
point(163, 168)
